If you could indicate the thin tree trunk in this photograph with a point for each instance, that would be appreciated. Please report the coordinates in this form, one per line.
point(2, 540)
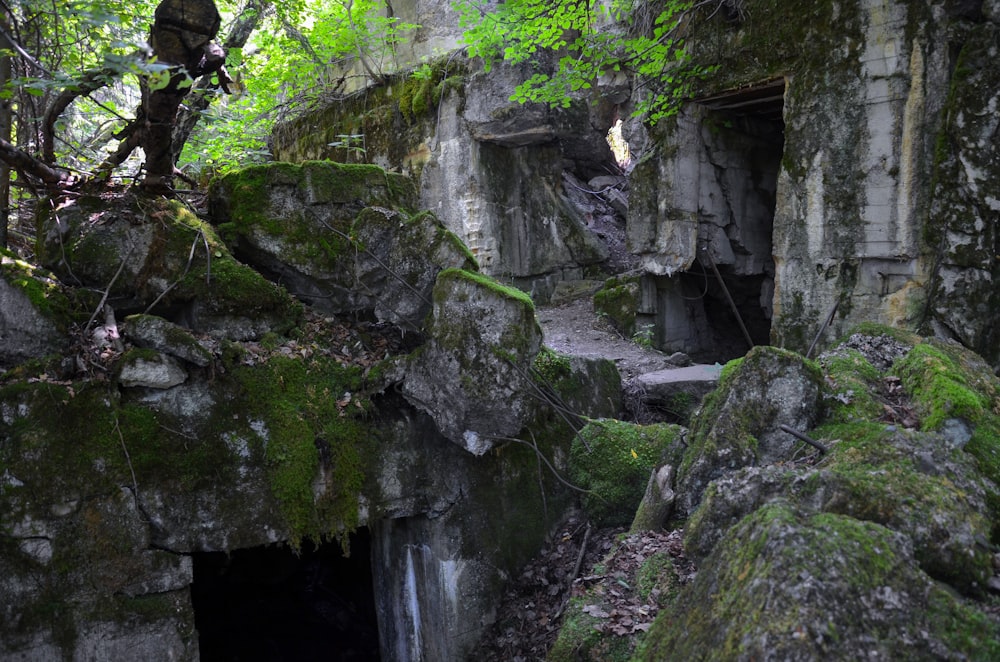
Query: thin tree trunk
point(199, 100)
point(6, 119)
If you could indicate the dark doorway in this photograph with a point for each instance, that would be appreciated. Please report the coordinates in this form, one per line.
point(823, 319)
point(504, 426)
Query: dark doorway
point(273, 605)
point(748, 135)
point(730, 149)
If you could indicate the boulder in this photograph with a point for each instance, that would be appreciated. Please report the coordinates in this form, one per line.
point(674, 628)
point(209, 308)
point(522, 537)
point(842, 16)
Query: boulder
point(150, 369)
point(33, 312)
point(162, 256)
point(152, 332)
point(580, 385)
point(339, 237)
point(945, 519)
point(472, 375)
point(740, 423)
point(788, 585)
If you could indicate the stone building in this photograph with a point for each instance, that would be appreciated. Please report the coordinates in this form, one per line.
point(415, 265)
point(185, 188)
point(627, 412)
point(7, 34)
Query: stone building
point(842, 154)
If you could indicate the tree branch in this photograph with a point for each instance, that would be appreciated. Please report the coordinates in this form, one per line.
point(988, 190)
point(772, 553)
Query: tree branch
point(28, 164)
point(92, 80)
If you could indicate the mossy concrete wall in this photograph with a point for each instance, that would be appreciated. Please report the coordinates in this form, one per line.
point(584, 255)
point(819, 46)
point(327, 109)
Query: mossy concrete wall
point(883, 202)
point(489, 168)
point(159, 438)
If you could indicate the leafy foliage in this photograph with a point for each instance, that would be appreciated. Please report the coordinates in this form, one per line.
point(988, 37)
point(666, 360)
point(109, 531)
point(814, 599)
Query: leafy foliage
point(570, 44)
point(296, 59)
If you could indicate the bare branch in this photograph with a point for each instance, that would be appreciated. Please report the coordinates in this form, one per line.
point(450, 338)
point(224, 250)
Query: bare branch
point(26, 163)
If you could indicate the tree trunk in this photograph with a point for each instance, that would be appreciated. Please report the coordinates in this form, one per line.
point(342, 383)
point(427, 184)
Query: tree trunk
point(6, 119)
point(181, 37)
point(250, 16)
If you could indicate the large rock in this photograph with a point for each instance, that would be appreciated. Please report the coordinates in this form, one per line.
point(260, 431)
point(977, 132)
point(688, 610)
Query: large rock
point(161, 255)
point(963, 219)
point(472, 375)
point(34, 312)
point(740, 423)
point(793, 586)
point(861, 550)
point(154, 332)
point(339, 237)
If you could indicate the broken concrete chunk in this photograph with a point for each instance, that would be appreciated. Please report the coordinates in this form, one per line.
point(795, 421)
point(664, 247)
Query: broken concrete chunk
point(151, 370)
point(154, 332)
point(471, 377)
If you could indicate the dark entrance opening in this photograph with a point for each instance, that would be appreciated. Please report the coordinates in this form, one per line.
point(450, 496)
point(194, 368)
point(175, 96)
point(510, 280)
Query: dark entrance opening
point(744, 136)
point(730, 147)
point(271, 604)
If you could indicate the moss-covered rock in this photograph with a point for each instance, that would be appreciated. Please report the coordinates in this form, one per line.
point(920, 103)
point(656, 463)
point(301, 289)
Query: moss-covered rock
point(584, 386)
point(159, 254)
point(961, 228)
point(618, 302)
point(740, 422)
point(153, 332)
point(612, 460)
point(35, 311)
point(342, 238)
point(472, 375)
point(809, 586)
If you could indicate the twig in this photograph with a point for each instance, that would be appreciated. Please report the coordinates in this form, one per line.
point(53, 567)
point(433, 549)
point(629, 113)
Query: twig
point(128, 460)
point(804, 437)
point(382, 264)
point(107, 291)
point(174, 284)
point(579, 557)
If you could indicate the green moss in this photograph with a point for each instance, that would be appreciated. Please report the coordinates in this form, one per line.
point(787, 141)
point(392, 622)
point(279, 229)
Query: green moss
point(551, 367)
point(962, 626)
point(849, 388)
point(579, 639)
point(42, 289)
point(657, 572)
point(489, 283)
point(613, 460)
point(311, 409)
point(448, 237)
point(939, 387)
point(618, 301)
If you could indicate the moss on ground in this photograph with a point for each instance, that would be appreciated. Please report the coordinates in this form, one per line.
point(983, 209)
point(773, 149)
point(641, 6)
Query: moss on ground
point(850, 387)
point(942, 389)
point(579, 639)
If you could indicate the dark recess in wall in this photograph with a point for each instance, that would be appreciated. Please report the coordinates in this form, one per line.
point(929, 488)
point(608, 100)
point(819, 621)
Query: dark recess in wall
point(271, 604)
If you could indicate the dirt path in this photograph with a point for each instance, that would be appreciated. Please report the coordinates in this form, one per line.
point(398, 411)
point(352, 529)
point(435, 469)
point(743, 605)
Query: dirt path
point(574, 329)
